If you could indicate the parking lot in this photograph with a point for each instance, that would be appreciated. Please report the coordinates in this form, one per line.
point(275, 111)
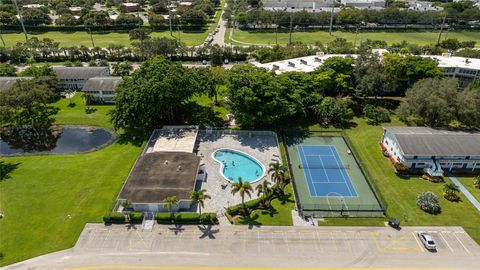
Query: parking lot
point(301, 241)
point(243, 247)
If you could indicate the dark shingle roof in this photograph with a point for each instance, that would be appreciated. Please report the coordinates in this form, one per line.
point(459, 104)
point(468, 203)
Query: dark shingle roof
point(79, 72)
point(102, 83)
point(153, 179)
point(7, 82)
point(424, 141)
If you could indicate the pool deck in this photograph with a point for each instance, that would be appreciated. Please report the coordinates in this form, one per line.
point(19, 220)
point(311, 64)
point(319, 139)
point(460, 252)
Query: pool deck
point(262, 146)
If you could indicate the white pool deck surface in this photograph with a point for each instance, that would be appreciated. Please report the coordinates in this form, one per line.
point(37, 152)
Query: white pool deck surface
point(263, 146)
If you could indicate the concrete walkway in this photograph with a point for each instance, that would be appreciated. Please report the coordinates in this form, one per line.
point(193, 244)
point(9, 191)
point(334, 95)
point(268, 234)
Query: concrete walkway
point(469, 195)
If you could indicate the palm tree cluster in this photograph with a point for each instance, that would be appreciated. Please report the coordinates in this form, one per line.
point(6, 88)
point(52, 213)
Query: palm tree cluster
point(450, 192)
point(278, 177)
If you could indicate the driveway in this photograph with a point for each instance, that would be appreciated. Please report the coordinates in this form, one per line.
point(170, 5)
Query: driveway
point(185, 247)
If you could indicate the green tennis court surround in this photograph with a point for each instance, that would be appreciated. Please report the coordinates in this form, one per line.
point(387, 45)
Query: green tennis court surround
point(329, 184)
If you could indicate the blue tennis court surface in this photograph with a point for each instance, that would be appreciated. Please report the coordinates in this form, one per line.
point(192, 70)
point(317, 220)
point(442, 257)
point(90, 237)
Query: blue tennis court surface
point(325, 172)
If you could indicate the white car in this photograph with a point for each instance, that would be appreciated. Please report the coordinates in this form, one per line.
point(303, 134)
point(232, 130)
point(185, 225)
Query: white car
point(427, 240)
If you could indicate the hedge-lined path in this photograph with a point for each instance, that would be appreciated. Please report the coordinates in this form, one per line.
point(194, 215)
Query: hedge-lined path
point(270, 246)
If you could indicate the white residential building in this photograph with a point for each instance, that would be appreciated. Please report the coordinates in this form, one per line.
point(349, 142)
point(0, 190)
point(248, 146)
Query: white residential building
point(75, 77)
point(364, 4)
point(102, 89)
point(433, 150)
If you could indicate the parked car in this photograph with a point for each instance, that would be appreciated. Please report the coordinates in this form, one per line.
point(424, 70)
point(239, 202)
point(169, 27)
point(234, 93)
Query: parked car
point(427, 240)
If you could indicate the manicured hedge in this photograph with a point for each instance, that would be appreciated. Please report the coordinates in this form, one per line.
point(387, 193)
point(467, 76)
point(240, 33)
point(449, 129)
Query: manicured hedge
point(185, 218)
point(136, 217)
point(114, 217)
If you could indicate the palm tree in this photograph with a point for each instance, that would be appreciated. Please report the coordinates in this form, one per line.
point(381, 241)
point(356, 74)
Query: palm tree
point(278, 175)
point(242, 188)
point(199, 197)
point(450, 192)
point(170, 202)
point(265, 191)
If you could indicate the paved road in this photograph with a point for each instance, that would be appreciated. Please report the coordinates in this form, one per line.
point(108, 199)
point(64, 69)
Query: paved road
point(169, 247)
point(219, 38)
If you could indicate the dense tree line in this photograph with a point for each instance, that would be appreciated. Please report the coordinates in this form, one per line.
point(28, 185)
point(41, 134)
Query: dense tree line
point(439, 102)
point(458, 14)
point(48, 50)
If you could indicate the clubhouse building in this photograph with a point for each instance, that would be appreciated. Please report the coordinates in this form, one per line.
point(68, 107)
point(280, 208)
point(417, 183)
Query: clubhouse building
point(432, 150)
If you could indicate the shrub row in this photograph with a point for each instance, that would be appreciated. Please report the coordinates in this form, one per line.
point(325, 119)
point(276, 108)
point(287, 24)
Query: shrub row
point(253, 204)
point(186, 218)
point(118, 217)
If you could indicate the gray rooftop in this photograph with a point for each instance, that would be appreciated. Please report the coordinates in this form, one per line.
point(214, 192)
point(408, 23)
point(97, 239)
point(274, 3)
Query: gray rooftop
point(424, 141)
point(7, 82)
point(80, 72)
point(102, 83)
point(158, 175)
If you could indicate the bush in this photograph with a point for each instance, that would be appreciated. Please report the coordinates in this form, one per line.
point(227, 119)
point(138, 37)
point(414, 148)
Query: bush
point(114, 217)
point(428, 202)
point(476, 182)
point(400, 167)
point(376, 115)
point(252, 205)
point(185, 218)
point(136, 217)
point(385, 153)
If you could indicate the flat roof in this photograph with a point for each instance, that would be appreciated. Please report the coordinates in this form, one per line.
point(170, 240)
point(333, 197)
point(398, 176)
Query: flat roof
point(173, 139)
point(156, 176)
point(455, 61)
point(425, 141)
point(79, 72)
point(300, 64)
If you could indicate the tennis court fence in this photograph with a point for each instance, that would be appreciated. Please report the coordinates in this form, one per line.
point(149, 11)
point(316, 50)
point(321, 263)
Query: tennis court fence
point(341, 210)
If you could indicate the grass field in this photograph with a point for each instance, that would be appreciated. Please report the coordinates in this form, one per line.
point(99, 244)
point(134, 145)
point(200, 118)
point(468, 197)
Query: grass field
point(467, 182)
point(400, 193)
point(67, 39)
point(48, 199)
point(76, 115)
point(415, 37)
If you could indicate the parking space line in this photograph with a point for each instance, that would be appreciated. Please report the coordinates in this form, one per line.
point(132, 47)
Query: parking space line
point(418, 242)
point(461, 243)
point(446, 242)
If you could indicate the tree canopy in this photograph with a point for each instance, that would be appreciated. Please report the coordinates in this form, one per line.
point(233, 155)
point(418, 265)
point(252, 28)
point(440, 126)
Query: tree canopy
point(153, 95)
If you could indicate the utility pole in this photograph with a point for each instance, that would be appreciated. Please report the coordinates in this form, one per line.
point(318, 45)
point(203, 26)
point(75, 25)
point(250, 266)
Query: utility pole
point(21, 20)
point(291, 27)
point(1, 37)
point(331, 17)
point(441, 30)
point(170, 17)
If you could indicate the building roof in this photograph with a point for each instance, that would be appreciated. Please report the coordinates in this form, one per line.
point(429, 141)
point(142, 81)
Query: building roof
point(455, 61)
point(79, 72)
point(301, 64)
point(7, 82)
point(102, 84)
point(424, 141)
point(158, 175)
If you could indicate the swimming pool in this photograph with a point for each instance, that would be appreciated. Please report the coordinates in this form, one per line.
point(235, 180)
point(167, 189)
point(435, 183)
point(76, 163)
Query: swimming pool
point(235, 164)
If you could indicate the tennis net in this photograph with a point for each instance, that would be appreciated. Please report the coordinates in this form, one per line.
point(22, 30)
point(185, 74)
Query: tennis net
point(321, 167)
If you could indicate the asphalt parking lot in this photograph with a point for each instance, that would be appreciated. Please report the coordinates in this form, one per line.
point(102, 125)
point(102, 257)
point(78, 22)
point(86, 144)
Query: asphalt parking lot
point(241, 247)
point(302, 241)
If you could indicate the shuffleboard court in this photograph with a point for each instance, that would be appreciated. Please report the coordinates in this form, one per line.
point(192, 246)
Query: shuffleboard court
point(325, 172)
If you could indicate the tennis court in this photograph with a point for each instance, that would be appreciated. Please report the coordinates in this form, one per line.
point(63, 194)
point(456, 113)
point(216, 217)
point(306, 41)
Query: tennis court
point(327, 179)
point(324, 171)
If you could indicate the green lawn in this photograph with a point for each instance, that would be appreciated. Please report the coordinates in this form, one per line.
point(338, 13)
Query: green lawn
point(467, 182)
point(67, 39)
point(76, 115)
point(44, 190)
point(280, 213)
point(415, 37)
point(400, 193)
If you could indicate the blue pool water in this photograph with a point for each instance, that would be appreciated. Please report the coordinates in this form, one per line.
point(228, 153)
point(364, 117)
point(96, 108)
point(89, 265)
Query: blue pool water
point(237, 164)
